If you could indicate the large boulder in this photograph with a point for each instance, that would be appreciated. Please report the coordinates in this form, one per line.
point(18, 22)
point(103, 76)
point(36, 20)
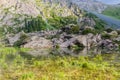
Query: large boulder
point(89, 40)
point(13, 38)
point(38, 43)
point(66, 41)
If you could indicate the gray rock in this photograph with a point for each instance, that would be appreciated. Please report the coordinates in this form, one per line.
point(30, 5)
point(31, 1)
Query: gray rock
point(108, 44)
point(12, 38)
point(38, 43)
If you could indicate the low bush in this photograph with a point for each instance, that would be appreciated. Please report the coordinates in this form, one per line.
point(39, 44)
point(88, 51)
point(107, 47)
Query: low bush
point(88, 30)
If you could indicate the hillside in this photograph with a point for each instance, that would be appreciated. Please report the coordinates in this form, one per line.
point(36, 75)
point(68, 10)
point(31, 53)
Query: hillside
point(13, 12)
point(57, 40)
point(113, 11)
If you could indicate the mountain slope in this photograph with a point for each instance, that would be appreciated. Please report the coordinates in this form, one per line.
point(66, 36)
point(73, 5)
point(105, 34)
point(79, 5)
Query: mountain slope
point(36, 15)
point(113, 11)
point(13, 12)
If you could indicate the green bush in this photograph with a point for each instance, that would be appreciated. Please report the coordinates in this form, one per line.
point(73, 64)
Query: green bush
point(58, 22)
point(106, 36)
point(74, 29)
point(34, 24)
point(88, 30)
point(109, 30)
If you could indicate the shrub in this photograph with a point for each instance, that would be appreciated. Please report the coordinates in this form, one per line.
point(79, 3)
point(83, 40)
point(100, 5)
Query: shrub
point(106, 36)
point(58, 22)
point(109, 30)
point(87, 31)
point(114, 34)
point(74, 29)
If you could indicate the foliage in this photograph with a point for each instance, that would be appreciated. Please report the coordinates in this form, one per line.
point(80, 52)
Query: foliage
point(1, 32)
point(106, 36)
point(38, 24)
point(15, 66)
point(88, 30)
point(109, 30)
point(74, 29)
point(58, 22)
point(34, 24)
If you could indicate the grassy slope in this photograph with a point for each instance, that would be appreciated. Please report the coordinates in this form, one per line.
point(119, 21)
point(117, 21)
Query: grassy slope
point(55, 67)
point(113, 11)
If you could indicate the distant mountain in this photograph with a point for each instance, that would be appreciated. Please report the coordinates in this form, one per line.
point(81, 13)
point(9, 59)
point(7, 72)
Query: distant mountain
point(91, 5)
point(118, 4)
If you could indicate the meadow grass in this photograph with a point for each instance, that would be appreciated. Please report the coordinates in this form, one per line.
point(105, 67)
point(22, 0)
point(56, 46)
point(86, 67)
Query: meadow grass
point(15, 67)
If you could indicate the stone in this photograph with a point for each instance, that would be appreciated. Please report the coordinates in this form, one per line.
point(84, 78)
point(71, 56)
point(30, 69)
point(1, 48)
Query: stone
point(38, 43)
point(108, 44)
point(12, 38)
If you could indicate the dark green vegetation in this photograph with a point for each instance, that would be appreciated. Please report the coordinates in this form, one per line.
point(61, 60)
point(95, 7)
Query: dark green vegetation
point(112, 11)
point(55, 22)
point(15, 66)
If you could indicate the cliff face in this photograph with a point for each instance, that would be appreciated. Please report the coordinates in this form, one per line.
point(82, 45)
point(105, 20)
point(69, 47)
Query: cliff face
point(13, 12)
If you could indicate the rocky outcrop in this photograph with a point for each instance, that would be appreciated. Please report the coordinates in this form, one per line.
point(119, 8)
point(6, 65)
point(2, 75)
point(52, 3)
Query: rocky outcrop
point(28, 41)
point(38, 43)
point(14, 12)
point(12, 38)
point(108, 44)
point(63, 39)
point(67, 40)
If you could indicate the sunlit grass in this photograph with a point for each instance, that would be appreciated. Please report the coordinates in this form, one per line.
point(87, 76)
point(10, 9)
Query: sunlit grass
point(15, 67)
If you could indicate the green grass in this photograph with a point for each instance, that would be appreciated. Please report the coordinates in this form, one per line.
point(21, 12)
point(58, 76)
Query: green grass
point(13, 66)
point(113, 12)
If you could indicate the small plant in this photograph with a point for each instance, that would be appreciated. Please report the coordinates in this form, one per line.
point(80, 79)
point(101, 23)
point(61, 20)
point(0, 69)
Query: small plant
point(106, 36)
point(109, 30)
point(27, 76)
point(87, 31)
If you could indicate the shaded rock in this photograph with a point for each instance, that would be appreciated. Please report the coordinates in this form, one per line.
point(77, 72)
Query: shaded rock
point(89, 40)
point(66, 44)
point(108, 44)
point(12, 38)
